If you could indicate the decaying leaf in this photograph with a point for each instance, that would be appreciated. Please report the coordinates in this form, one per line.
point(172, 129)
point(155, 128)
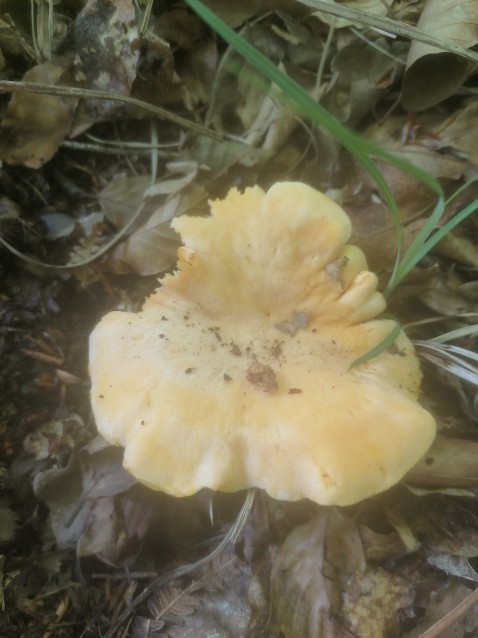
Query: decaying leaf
point(219, 157)
point(147, 628)
point(459, 131)
point(112, 532)
point(453, 565)
point(457, 246)
point(36, 124)
point(322, 586)
point(299, 600)
point(362, 74)
point(56, 438)
point(93, 472)
point(152, 247)
point(13, 37)
point(442, 601)
point(448, 463)
point(105, 58)
point(121, 197)
point(369, 596)
point(423, 148)
point(213, 604)
point(433, 75)
point(264, 119)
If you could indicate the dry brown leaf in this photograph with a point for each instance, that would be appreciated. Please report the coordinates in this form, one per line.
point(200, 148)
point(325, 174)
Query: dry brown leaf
point(378, 546)
point(219, 157)
point(420, 147)
point(300, 606)
point(373, 227)
point(95, 471)
point(449, 462)
point(241, 92)
point(459, 248)
point(36, 124)
point(106, 58)
point(152, 248)
point(122, 196)
point(107, 534)
point(441, 602)
point(370, 597)
point(452, 532)
point(376, 7)
point(363, 74)
point(14, 38)
point(459, 131)
point(320, 574)
point(220, 591)
point(433, 75)
point(452, 565)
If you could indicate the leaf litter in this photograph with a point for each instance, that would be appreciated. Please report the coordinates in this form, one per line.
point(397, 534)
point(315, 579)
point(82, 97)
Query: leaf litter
point(96, 182)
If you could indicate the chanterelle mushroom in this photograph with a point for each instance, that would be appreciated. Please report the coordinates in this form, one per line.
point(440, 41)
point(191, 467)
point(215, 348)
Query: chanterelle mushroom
point(236, 372)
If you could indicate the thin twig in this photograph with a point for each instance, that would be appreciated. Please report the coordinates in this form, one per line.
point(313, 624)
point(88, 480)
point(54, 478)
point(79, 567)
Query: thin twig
point(73, 91)
point(147, 13)
point(83, 262)
point(112, 150)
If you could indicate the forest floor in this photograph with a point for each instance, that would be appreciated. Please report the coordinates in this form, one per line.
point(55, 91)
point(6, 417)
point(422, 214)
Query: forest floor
point(88, 188)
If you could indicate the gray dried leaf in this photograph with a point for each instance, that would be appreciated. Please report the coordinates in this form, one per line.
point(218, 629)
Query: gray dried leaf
point(171, 603)
point(433, 75)
point(452, 565)
point(147, 628)
point(214, 604)
point(58, 225)
point(69, 491)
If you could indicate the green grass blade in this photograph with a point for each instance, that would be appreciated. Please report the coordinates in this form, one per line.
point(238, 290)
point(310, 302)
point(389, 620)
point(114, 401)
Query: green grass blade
point(448, 227)
point(379, 348)
point(295, 94)
point(413, 257)
point(362, 149)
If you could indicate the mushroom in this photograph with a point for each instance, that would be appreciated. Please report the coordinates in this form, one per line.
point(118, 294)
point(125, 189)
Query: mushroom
point(237, 371)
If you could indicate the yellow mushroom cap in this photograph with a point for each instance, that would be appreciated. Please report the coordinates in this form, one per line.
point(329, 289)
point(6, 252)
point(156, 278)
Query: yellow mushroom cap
point(236, 373)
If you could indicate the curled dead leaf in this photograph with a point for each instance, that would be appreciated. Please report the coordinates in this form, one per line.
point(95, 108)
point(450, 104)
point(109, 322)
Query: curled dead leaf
point(449, 462)
point(36, 124)
point(433, 75)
